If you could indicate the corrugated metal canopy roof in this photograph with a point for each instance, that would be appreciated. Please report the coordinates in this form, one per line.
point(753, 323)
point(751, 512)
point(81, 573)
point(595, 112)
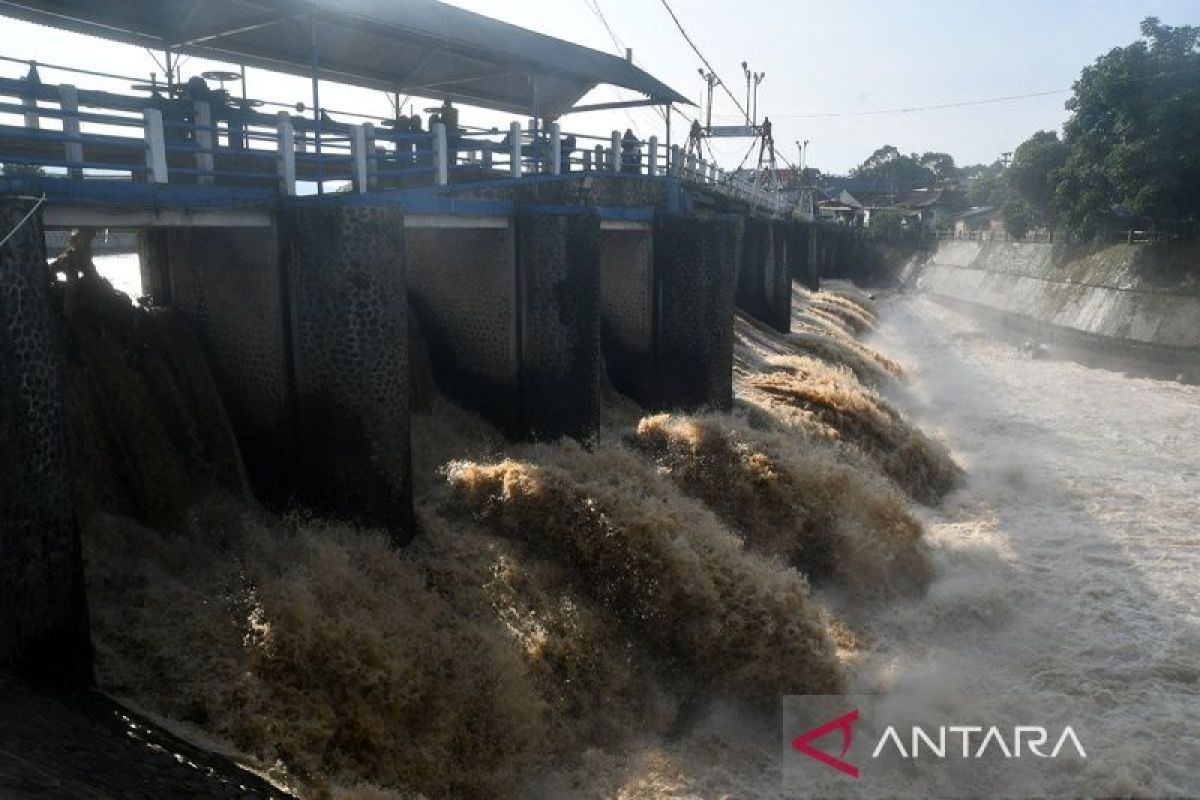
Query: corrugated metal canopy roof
point(419, 47)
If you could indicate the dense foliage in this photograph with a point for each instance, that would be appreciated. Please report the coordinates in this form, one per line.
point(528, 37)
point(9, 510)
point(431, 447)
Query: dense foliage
point(893, 171)
point(1131, 145)
point(1030, 182)
point(1129, 155)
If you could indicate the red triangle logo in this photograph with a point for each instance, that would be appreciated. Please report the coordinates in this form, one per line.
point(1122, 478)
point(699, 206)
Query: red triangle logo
point(845, 724)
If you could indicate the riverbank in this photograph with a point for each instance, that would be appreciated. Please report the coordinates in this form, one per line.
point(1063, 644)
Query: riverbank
point(1131, 307)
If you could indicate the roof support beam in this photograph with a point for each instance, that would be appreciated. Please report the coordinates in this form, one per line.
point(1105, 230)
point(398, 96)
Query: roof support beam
point(453, 81)
point(650, 101)
point(191, 39)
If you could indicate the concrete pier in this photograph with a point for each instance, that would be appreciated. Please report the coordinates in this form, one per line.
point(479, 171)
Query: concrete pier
point(628, 308)
point(349, 336)
point(764, 281)
point(558, 268)
point(510, 308)
point(694, 260)
point(462, 287)
point(802, 255)
point(228, 284)
point(43, 616)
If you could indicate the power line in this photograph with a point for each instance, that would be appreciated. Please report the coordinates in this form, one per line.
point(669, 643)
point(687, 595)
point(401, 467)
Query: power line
point(984, 101)
point(704, 60)
point(913, 109)
point(594, 7)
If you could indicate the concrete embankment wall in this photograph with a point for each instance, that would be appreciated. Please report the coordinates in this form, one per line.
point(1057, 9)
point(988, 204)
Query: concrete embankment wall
point(1134, 300)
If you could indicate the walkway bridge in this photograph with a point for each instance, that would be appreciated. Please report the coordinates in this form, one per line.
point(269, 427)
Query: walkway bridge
point(160, 158)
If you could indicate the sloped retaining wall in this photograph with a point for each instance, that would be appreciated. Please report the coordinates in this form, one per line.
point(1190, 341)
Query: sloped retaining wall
point(1128, 299)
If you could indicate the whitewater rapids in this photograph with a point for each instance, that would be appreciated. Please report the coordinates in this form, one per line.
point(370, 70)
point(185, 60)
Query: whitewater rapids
point(1067, 575)
point(1069, 562)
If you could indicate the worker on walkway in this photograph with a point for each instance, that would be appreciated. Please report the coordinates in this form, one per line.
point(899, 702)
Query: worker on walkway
point(631, 153)
point(567, 147)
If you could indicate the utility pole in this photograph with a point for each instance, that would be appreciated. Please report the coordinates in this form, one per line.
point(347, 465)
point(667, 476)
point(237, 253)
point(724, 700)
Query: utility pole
point(749, 75)
point(758, 78)
point(711, 79)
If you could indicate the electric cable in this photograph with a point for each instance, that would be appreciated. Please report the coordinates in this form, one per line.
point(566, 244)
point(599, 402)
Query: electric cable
point(24, 219)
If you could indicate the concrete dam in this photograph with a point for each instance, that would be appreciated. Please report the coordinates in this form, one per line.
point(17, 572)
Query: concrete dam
point(353, 449)
point(304, 324)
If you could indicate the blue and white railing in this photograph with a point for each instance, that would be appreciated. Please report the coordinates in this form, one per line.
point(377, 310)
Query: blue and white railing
point(96, 135)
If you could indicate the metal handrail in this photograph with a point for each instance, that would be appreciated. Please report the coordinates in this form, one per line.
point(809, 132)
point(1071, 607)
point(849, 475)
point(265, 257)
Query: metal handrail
point(362, 153)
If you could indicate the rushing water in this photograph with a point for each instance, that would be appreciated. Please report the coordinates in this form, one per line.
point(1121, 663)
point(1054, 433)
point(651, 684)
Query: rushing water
point(1067, 585)
point(1067, 574)
point(1069, 563)
point(122, 271)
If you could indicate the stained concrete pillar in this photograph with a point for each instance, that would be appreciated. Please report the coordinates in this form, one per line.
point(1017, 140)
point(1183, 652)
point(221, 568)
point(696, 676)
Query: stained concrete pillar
point(694, 262)
point(628, 308)
point(802, 255)
point(228, 284)
point(558, 278)
point(349, 335)
point(155, 264)
point(510, 309)
point(43, 614)
point(764, 283)
point(462, 286)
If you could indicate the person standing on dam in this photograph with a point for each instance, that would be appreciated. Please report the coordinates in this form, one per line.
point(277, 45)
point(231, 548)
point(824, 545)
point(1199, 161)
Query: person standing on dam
point(631, 153)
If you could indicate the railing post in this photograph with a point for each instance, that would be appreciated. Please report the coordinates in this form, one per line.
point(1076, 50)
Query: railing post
point(598, 161)
point(358, 157)
point(286, 137)
point(676, 161)
point(514, 149)
point(29, 101)
point(441, 156)
point(206, 141)
point(156, 146)
point(652, 157)
point(486, 156)
point(372, 156)
point(587, 160)
point(614, 155)
point(69, 101)
point(555, 149)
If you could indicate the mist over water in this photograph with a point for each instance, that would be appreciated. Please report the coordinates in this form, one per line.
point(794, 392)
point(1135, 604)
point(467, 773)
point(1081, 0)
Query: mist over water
point(1066, 587)
point(1068, 562)
point(123, 271)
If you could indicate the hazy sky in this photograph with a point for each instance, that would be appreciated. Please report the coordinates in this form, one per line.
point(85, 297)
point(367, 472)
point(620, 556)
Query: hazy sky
point(821, 58)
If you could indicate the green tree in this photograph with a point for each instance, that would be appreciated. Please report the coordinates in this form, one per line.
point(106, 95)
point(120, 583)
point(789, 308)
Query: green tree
point(987, 186)
point(1019, 218)
point(940, 164)
point(887, 223)
point(1134, 132)
point(893, 171)
point(1032, 179)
